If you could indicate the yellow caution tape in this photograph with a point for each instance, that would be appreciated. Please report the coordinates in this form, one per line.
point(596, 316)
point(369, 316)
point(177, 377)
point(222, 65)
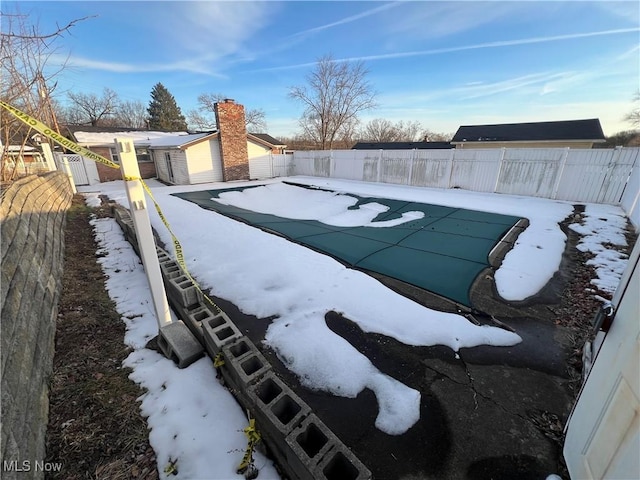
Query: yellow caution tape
point(253, 438)
point(85, 152)
point(56, 137)
point(218, 360)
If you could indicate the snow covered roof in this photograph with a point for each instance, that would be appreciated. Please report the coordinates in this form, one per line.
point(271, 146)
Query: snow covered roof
point(106, 138)
point(176, 141)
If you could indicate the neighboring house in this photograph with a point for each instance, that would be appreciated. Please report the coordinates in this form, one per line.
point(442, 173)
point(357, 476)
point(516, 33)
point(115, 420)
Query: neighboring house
point(568, 133)
point(401, 145)
point(22, 160)
point(100, 140)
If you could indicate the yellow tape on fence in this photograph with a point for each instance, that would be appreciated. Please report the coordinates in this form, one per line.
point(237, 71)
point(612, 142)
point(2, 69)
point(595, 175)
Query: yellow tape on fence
point(85, 152)
point(56, 137)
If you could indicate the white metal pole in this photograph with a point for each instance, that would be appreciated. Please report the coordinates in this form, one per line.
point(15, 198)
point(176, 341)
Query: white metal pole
point(142, 225)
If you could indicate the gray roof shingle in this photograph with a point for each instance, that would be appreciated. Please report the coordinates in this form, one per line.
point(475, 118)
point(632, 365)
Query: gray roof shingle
point(577, 130)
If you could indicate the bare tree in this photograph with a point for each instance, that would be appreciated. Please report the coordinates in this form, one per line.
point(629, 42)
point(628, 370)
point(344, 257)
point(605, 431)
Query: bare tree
point(633, 117)
point(28, 79)
point(132, 114)
point(429, 136)
point(337, 91)
point(95, 109)
point(382, 130)
point(379, 130)
point(201, 121)
point(204, 118)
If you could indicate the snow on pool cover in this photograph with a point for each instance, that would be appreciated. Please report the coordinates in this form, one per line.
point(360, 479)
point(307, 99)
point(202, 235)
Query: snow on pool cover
point(440, 249)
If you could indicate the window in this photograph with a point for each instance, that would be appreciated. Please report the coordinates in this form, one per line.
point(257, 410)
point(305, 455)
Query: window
point(115, 158)
point(142, 154)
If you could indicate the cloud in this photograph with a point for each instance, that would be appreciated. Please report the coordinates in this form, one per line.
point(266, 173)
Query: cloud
point(476, 46)
point(439, 19)
point(349, 19)
point(194, 65)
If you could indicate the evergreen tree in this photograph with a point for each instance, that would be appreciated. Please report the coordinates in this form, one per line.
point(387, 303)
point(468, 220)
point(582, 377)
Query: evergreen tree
point(164, 112)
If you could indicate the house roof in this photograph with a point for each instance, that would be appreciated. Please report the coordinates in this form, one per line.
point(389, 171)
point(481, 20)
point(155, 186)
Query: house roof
point(177, 141)
point(567, 130)
point(103, 136)
point(266, 138)
point(400, 145)
point(98, 136)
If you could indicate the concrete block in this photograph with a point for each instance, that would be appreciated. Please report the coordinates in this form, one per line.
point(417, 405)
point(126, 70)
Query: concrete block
point(217, 332)
point(306, 445)
point(278, 410)
point(244, 364)
point(162, 255)
point(183, 291)
point(341, 464)
point(180, 345)
point(194, 316)
point(170, 269)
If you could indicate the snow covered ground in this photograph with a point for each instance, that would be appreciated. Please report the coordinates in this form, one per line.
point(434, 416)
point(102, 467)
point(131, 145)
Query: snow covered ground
point(196, 422)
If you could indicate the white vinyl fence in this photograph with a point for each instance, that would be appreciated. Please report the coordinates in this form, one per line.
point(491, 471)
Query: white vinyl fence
point(610, 176)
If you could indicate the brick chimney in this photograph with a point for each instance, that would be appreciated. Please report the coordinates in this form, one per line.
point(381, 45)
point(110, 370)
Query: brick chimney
point(232, 138)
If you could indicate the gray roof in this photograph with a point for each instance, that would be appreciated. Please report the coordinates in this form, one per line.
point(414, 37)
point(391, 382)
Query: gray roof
point(265, 137)
point(568, 130)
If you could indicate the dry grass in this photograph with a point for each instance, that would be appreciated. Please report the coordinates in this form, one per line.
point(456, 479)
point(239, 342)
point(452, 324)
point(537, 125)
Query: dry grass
point(95, 428)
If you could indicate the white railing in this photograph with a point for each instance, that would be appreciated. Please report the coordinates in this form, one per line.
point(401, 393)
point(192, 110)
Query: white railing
point(610, 176)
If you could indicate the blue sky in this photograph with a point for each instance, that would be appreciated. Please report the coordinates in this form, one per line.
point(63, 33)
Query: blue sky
point(444, 64)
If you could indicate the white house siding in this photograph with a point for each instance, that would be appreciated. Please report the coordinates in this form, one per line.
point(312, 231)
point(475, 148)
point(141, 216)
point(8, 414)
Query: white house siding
point(256, 149)
point(178, 165)
point(203, 162)
point(161, 167)
point(260, 161)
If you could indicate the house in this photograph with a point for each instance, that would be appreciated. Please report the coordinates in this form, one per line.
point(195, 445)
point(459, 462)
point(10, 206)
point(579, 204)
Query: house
point(401, 145)
point(22, 160)
point(222, 155)
point(197, 158)
point(182, 158)
point(568, 133)
point(100, 140)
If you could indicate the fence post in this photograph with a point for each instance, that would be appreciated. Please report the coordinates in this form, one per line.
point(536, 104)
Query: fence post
point(142, 224)
point(379, 165)
point(66, 168)
point(48, 156)
point(604, 186)
point(452, 157)
point(563, 162)
point(271, 164)
point(501, 161)
point(411, 161)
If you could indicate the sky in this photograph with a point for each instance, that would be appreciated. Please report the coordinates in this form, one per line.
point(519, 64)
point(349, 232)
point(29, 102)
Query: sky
point(188, 411)
point(443, 64)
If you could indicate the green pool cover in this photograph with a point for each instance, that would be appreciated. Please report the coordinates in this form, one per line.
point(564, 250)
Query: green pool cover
point(443, 252)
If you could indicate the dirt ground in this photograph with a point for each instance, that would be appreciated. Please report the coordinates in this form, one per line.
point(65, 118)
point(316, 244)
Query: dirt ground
point(95, 428)
point(486, 413)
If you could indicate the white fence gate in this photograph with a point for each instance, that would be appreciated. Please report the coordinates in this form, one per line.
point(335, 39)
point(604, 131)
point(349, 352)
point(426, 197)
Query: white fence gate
point(77, 166)
point(270, 165)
